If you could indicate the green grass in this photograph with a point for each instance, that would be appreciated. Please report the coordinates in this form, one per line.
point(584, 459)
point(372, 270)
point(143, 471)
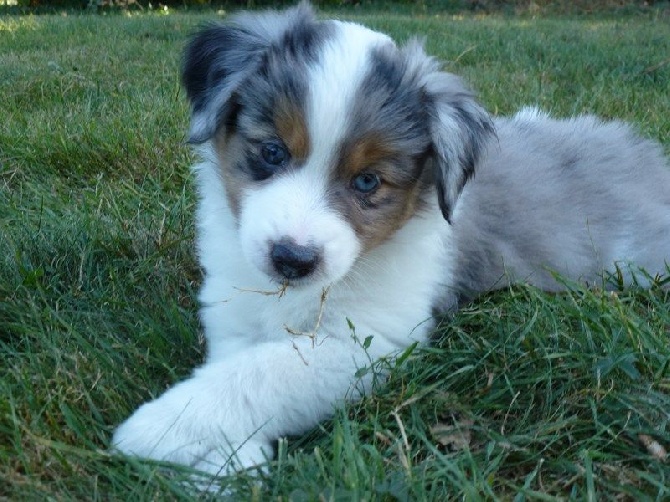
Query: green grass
point(523, 396)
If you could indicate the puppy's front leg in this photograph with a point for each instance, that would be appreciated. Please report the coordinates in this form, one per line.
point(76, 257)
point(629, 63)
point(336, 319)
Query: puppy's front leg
point(227, 415)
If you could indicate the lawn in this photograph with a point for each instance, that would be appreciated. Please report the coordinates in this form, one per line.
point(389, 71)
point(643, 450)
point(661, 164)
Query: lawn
point(523, 395)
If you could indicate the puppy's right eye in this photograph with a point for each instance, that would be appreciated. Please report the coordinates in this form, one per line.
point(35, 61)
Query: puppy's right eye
point(269, 157)
point(274, 154)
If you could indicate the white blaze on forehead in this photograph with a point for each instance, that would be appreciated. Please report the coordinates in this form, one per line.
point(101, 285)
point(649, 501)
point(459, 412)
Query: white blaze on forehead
point(333, 82)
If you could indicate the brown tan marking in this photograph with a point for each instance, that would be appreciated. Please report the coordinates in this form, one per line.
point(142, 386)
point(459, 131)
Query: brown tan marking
point(376, 225)
point(363, 154)
point(292, 129)
point(229, 149)
point(404, 182)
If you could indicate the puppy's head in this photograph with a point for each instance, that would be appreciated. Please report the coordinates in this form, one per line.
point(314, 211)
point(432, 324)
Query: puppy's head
point(329, 138)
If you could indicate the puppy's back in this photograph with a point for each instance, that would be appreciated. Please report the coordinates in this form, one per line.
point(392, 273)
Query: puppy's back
point(576, 196)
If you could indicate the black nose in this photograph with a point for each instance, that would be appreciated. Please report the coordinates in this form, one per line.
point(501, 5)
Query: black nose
point(293, 261)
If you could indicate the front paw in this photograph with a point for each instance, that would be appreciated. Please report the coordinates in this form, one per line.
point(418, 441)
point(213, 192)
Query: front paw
point(164, 430)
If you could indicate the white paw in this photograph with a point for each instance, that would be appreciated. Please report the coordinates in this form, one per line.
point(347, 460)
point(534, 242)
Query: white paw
point(165, 430)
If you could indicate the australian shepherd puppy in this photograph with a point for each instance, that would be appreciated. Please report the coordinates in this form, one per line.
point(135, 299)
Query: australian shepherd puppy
point(339, 212)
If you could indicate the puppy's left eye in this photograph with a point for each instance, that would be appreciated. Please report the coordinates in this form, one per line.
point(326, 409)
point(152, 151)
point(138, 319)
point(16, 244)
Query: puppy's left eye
point(366, 183)
point(274, 154)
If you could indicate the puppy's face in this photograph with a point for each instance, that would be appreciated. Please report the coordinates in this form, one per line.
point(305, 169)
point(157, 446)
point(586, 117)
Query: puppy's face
point(324, 157)
point(325, 137)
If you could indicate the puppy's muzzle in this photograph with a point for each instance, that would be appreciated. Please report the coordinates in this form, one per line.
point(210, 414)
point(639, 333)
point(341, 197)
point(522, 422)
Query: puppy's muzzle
point(293, 261)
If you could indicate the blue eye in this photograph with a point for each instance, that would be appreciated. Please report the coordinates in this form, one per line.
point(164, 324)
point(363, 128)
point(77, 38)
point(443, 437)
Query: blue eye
point(366, 182)
point(274, 154)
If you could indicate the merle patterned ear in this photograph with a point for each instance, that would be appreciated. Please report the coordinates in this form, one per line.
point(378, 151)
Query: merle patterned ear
point(459, 126)
point(216, 62)
point(220, 58)
point(460, 129)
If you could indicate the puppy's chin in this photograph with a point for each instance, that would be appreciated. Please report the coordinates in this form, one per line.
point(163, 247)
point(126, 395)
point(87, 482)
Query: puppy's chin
point(318, 281)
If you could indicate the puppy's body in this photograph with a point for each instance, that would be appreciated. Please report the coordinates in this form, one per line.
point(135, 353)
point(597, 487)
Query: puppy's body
point(577, 197)
point(323, 145)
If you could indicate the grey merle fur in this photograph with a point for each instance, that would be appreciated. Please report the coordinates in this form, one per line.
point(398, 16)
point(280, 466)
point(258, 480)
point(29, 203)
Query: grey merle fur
point(577, 197)
point(222, 59)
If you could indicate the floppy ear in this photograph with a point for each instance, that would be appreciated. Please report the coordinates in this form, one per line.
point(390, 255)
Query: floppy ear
point(219, 59)
point(216, 62)
point(459, 127)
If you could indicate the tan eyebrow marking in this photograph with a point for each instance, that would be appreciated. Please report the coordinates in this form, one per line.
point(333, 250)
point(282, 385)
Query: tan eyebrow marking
point(289, 121)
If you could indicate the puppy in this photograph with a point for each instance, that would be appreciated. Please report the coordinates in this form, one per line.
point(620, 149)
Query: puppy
point(338, 212)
